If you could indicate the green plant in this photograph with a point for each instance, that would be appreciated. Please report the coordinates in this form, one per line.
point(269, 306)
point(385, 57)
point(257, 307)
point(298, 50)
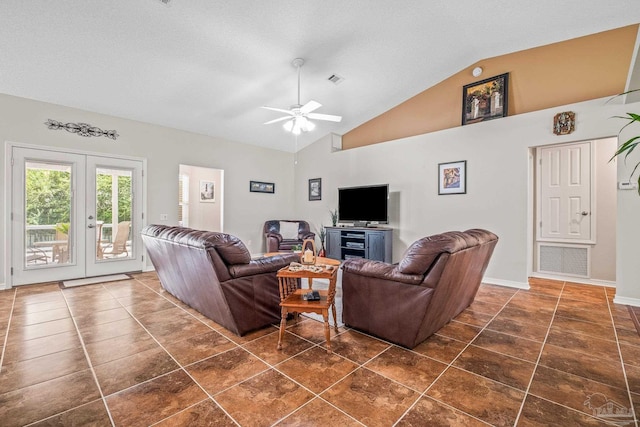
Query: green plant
point(627, 147)
point(334, 217)
point(296, 247)
point(63, 227)
point(322, 234)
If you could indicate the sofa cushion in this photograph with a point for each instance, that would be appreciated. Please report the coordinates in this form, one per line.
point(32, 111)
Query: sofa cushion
point(289, 230)
point(421, 254)
point(233, 251)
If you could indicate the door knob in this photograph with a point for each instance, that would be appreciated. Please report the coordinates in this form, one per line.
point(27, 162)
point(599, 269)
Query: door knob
point(584, 213)
point(90, 216)
point(91, 226)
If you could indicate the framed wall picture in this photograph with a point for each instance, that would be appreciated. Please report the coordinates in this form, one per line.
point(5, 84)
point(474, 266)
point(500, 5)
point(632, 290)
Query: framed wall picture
point(485, 100)
point(452, 177)
point(262, 187)
point(207, 192)
point(315, 189)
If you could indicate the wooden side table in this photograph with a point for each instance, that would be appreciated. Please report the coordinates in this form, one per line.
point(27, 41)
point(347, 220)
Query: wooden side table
point(291, 300)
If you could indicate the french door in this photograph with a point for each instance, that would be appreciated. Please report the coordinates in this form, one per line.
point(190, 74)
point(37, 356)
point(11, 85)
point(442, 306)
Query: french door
point(73, 215)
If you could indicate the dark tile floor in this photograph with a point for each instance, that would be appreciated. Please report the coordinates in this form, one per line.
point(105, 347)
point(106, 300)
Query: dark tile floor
point(126, 353)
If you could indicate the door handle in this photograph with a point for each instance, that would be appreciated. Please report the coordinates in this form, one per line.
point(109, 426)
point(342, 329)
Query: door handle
point(584, 213)
point(91, 226)
point(90, 216)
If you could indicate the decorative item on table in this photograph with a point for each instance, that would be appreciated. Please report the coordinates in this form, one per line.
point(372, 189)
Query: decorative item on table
point(322, 234)
point(334, 217)
point(308, 252)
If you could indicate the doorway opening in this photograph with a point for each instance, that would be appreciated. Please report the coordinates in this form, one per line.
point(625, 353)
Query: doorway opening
point(201, 198)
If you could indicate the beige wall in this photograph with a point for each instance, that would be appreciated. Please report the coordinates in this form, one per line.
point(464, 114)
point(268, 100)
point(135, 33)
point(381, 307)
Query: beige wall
point(21, 121)
point(572, 71)
point(603, 254)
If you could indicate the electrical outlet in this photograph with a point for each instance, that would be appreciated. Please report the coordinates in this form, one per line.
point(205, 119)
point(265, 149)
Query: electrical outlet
point(164, 217)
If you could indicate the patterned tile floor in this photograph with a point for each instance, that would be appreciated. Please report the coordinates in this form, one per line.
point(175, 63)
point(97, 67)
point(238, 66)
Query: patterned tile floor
point(128, 354)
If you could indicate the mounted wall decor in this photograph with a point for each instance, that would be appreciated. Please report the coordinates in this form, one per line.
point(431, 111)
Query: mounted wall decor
point(452, 177)
point(262, 187)
point(315, 189)
point(485, 100)
point(82, 129)
point(207, 192)
point(564, 123)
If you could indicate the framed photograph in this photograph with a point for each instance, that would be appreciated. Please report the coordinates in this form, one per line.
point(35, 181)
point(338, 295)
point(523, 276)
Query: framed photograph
point(452, 177)
point(207, 192)
point(485, 100)
point(315, 189)
point(262, 187)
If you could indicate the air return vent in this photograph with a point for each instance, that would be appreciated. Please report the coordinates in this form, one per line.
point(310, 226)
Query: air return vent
point(563, 259)
point(336, 79)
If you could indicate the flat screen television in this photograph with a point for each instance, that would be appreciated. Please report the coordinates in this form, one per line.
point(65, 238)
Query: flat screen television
point(364, 205)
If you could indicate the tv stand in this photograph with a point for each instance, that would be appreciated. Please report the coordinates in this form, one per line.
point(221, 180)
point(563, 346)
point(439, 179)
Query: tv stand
point(359, 242)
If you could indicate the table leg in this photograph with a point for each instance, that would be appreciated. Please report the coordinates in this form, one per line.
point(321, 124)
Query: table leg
point(335, 320)
point(283, 325)
point(327, 333)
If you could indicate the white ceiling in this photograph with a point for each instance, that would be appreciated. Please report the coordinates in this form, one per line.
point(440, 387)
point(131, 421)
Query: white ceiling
point(207, 66)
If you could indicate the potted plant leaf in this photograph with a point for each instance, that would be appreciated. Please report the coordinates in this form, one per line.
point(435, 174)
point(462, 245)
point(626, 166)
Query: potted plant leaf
point(628, 146)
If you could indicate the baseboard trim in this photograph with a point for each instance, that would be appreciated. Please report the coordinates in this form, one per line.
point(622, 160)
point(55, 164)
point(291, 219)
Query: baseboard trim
point(507, 283)
point(573, 279)
point(149, 268)
point(635, 302)
point(3, 287)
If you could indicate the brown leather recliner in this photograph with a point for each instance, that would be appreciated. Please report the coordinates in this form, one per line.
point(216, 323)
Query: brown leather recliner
point(277, 241)
point(405, 303)
point(214, 273)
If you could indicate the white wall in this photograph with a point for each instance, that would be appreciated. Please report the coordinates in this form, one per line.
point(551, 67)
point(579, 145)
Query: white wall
point(204, 215)
point(22, 121)
point(498, 184)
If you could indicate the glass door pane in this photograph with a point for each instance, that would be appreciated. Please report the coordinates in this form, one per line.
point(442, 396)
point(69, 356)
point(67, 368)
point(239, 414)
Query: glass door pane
point(48, 207)
point(114, 205)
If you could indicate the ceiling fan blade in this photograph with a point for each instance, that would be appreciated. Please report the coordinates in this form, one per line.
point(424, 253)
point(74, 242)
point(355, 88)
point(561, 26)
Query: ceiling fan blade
point(309, 107)
point(329, 117)
point(280, 110)
point(277, 120)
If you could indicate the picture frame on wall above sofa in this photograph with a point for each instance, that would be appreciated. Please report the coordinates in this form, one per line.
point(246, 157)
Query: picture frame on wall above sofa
point(262, 187)
point(315, 189)
point(485, 100)
point(207, 191)
point(452, 178)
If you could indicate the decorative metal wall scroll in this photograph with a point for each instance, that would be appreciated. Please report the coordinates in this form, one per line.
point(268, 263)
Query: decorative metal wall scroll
point(82, 129)
point(564, 123)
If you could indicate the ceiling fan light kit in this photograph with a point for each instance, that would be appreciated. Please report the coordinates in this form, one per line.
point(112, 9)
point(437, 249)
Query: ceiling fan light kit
point(298, 116)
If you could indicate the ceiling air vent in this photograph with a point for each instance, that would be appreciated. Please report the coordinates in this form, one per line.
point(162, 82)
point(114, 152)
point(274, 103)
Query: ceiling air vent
point(336, 79)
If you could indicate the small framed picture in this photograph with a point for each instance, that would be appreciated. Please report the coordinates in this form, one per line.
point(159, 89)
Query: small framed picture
point(315, 189)
point(485, 100)
point(207, 192)
point(452, 177)
point(262, 187)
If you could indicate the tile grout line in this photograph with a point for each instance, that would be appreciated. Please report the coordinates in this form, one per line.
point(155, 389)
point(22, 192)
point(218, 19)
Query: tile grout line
point(88, 359)
point(450, 364)
point(537, 363)
point(624, 370)
point(6, 334)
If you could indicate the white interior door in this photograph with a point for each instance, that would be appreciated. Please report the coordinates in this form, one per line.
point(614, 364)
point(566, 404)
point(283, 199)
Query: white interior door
point(564, 211)
point(73, 215)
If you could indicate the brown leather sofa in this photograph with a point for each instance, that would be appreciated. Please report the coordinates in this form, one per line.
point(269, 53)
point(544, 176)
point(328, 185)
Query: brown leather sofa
point(214, 273)
point(405, 303)
point(278, 241)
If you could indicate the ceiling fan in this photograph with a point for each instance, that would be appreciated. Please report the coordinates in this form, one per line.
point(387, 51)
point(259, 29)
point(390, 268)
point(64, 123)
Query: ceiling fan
point(298, 116)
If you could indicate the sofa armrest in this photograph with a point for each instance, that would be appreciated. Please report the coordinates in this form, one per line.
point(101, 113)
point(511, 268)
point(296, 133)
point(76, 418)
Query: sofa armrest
point(263, 265)
point(307, 235)
point(380, 270)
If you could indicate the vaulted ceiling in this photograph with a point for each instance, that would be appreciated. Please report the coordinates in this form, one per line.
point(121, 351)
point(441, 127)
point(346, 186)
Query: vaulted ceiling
point(208, 66)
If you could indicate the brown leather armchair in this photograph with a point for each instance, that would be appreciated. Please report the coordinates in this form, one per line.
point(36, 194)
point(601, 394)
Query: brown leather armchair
point(405, 303)
point(283, 235)
point(214, 273)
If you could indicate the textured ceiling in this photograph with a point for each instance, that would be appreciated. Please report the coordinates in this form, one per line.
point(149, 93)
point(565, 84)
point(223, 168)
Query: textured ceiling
point(207, 66)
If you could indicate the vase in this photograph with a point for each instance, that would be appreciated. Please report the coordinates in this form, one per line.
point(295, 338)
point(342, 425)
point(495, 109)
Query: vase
point(322, 252)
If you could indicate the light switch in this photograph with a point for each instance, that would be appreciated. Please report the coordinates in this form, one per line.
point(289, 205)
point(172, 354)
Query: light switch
point(164, 217)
